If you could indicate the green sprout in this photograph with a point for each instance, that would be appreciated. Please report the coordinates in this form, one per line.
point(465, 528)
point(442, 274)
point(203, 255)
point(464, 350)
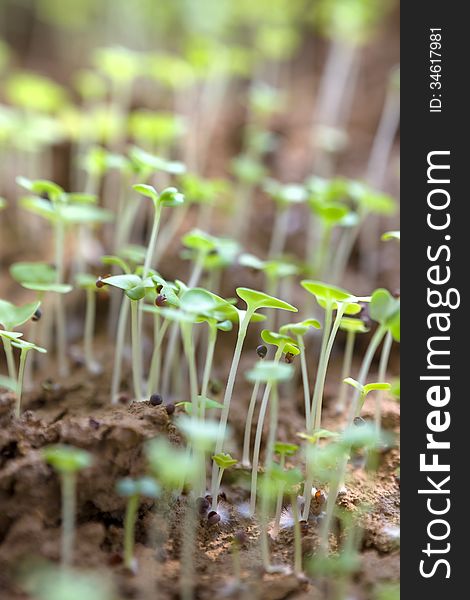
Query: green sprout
point(135, 288)
point(385, 310)
point(67, 461)
point(254, 301)
point(224, 462)
point(284, 345)
point(283, 449)
point(271, 372)
point(88, 283)
point(364, 390)
point(352, 327)
point(299, 330)
point(329, 298)
point(133, 489)
point(167, 197)
point(25, 348)
point(390, 235)
point(12, 316)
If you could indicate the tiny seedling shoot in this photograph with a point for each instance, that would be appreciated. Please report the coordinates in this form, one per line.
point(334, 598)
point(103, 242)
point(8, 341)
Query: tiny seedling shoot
point(133, 489)
point(67, 461)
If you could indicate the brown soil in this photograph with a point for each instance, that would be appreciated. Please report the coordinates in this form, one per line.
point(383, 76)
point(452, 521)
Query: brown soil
point(77, 412)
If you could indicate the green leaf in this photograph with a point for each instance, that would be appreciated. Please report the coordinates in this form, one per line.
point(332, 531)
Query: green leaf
point(319, 434)
point(66, 459)
point(116, 261)
point(10, 335)
point(203, 434)
point(171, 197)
point(372, 387)
point(41, 186)
point(144, 486)
point(39, 206)
point(390, 235)
point(33, 272)
point(76, 214)
point(300, 328)
point(24, 345)
point(123, 282)
point(327, 293)
point(285, 448)
point(353, 325)
point(277, 339)
point(224, 461)
point(270, 371)
point(354, 384)
point(198, 240)
point(256, 300)
point(170, 464)
point(147, 190)
point(12, 316)
point(197, 301)
point(202, 402)
point(384, 307)
point(58, 288)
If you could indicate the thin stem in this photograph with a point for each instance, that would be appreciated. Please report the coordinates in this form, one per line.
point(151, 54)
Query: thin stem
point(19, 384)
point(120, 340)
point(61, 327)
point(10, 358)
point(303, 368)
point(153, 242)
point(259, 434)
point(321, 373)
point(217, 489)
point(248, 424)
point(280, 495)
point(297, 537)
point(384, 357)
point(136, 351)
point(129, 530)
point(208, 364)
point(268, 467)
point(89, 328)
point(156, 363)
point(229, 389)
point(346, 370)
point(187, 551)
point(364, 370)
point(279, 233)
point(68, 481)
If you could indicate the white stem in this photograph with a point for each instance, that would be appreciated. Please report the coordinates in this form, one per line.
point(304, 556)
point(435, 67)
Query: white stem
point(120, 340)
point(248, 424)
point(89, 328)
point(19, 385)
point(384, 357)
point(68, 518)
point(303, 368)
point(136, 351)
point(346, 370)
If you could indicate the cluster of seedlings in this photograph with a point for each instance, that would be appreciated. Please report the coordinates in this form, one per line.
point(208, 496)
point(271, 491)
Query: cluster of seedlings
point(127, 228)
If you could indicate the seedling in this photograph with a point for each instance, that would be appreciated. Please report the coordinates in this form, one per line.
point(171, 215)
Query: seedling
point(329, 297)
point(271, 372)
point(89, 284)
point(168, 197)
point(364, 390)
point(299, 330)
point(223, 461)
point(67, 461)
point(12, 316)
point(352, 327)
point(283, 449)
point(254, 301)
point(390, 235)
point(246, 462)
point(134, 288)
point(133, 489)
point(385, 309)
point(25, 348)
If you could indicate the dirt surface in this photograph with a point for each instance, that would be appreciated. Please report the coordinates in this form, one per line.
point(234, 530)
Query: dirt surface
point(77, 412)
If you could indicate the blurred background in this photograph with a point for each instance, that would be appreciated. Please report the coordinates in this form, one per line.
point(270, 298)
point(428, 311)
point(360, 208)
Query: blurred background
point(249, 96)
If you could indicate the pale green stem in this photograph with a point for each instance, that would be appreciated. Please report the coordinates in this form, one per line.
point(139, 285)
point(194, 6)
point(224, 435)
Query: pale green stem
point(129, 530)
point(364, 370)
point(155, 365)
point(384, 358)
point(268, 467)
point(279, 232)
point(136, 351)
point(248, 424)
point(280, 495)
point(10, 358)
point(303, 368)
point(217, 489)
point(153, 242)
point(259, 434)
point(89, 328)
point(318, 393)
point(120, 340)
point(19, 384)
point(229, 390)
point(346, 370)
point(61, 326)
point(297, 537)
point(68, 481)
point(321, 372)
point(208, 364)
